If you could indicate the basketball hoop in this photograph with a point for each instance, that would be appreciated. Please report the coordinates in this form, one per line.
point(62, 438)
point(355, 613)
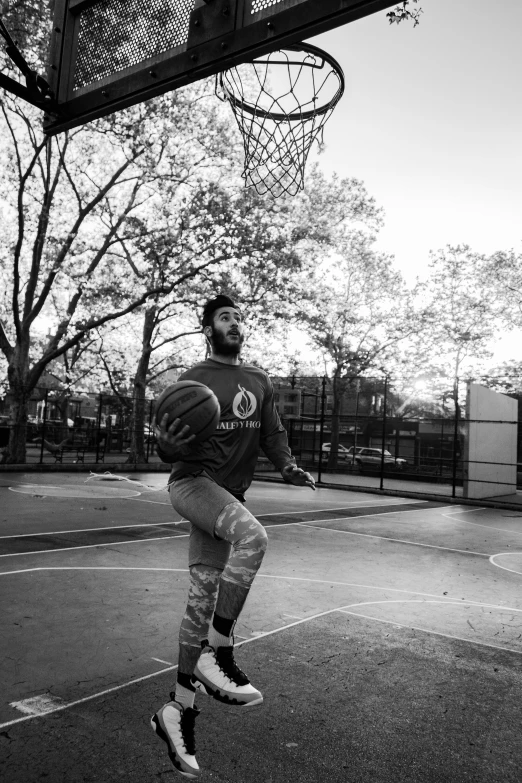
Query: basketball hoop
point(281, 102)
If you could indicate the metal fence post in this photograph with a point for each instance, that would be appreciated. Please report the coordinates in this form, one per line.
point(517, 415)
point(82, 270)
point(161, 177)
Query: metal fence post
point(43, 426)
point(455, 440)
point(384, 422)
point(321, 432)
point(98, 427)
point(149, 433)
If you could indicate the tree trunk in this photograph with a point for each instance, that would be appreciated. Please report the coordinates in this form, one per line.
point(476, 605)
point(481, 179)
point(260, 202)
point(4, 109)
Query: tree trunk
point(137, 448)
point(338, 389)
point(62, 403)
point(137, 452)
point(17, 374)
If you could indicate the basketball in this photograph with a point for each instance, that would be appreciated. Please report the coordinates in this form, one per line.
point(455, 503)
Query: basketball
point(192, 402)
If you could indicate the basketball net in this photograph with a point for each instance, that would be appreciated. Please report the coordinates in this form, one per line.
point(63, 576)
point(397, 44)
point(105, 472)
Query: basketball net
point(281, 102)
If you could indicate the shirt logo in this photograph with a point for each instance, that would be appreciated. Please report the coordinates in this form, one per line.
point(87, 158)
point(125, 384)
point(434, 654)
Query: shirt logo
point(244, 404)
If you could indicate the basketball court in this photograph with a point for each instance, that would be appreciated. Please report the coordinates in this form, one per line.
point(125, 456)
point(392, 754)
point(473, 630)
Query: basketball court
point(384, 632)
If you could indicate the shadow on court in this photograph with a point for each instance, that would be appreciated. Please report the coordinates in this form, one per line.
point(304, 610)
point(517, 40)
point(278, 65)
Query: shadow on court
point(385, 634)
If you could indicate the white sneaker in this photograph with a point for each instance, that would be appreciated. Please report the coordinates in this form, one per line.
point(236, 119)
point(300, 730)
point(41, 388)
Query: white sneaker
point(219, 676)
point(175, 726)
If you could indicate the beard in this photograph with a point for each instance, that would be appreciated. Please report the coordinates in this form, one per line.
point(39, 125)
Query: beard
point(222, 347)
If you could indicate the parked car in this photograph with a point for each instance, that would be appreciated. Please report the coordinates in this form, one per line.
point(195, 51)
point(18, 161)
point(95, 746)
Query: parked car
point(342, 452)
point(368, 456)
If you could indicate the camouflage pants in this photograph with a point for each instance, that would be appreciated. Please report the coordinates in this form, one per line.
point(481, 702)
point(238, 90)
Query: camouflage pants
point(216, 517)
point(204, 583)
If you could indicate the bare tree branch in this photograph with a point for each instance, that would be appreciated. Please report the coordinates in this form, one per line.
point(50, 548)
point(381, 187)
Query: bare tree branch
point(62, 254)
point(5, 346)
point(23, 178)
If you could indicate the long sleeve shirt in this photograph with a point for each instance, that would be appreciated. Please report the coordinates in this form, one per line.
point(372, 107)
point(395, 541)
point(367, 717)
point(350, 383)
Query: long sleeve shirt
point(249, 422)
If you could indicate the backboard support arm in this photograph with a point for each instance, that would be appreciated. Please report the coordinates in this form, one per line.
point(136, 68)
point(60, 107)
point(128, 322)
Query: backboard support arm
point(29, 96)
point(37, 91)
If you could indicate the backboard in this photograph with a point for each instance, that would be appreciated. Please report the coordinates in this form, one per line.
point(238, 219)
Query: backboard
point(110, 54)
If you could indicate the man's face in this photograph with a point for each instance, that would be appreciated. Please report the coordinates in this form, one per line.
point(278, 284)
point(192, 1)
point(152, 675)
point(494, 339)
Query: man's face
point(228, 331)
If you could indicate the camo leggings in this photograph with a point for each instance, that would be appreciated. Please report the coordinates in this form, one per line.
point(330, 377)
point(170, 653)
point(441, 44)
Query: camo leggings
point(226, 542)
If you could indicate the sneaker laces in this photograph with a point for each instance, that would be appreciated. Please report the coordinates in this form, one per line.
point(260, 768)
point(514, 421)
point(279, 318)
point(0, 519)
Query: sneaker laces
point(187, 723)
point(188, 717)
point(227, 664)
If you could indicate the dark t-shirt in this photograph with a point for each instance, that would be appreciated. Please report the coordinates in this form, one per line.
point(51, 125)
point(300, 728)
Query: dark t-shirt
point(249, 422)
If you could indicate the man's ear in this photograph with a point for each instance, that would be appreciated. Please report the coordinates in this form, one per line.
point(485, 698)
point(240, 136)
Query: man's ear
point(207, 331)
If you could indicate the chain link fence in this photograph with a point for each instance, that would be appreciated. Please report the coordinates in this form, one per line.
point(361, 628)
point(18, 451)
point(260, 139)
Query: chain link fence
point(84, 428)
point(381, 434)
point(359, 432)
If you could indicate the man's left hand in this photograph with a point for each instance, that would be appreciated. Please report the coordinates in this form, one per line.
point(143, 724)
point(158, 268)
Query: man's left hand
point(298, 476)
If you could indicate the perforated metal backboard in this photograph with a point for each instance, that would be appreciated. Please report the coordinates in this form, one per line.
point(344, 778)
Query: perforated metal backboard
point(110, 54)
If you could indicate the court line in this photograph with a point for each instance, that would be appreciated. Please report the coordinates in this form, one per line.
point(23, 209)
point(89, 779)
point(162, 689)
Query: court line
point(92, 529)
point(105, 692)
point(355, 504)
point(468, 510)
point(19, 489)
point(504, 568)
point(116, 543)
point(261, 635)
point(144, 500)
point(442, 598)
point(258, 487)
point(428, 630)
point(51, 486)
point(92, 568)
point(161, 524)
point(68, 705)
point(382, 514)
point(92, 546)
point(487, 527)
point(386, 538)
point(453, 601)
point(184, 535)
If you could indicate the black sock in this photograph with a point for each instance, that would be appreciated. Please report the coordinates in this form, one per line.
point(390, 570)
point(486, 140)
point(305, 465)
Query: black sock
point(222, 625)
point(185, 681)
point(185, 692)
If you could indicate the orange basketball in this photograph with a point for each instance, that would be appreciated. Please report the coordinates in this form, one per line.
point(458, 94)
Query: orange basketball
point(192, 402)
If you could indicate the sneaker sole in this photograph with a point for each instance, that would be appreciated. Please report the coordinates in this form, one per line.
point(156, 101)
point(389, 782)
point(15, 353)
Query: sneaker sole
point(206, 689)
point(156, 725)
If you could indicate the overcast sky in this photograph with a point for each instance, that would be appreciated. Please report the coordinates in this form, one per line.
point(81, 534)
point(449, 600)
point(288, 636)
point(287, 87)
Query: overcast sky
point(431, 121)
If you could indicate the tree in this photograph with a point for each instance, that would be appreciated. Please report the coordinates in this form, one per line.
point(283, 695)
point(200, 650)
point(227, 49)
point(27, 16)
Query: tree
point(88, 212)
point(73, 202)
point(462, 315)
point(358, 313)
point(213, 227)
point(402, 14)
point(501, 274)
point(505, 378)
point(270, 245)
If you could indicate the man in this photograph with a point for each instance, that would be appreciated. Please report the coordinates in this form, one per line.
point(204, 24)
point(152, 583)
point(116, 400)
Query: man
point(227, 544)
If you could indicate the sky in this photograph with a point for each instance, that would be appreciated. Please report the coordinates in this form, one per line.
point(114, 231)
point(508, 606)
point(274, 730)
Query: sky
point(431, 121)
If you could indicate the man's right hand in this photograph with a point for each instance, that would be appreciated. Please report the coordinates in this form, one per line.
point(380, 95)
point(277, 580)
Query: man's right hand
point(174, 437)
